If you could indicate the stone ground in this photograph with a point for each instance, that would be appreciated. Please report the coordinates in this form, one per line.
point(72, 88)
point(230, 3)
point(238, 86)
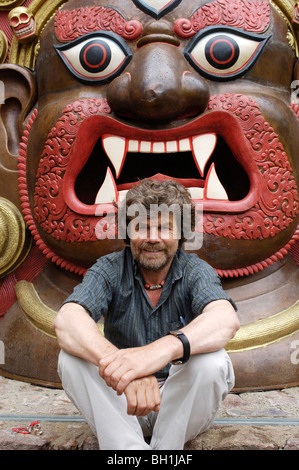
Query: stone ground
point(248, 421)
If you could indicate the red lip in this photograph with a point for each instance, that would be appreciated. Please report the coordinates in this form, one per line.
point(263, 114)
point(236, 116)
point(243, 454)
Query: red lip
point(221, 123)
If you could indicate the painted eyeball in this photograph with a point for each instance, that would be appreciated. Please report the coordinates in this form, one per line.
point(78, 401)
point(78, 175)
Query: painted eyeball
point(96, 57)
point(224, 53)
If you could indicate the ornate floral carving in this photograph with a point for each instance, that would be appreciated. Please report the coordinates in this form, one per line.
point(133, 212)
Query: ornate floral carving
point(251, 16)
point(50, 209)
point(278, 204)
point(73, 24)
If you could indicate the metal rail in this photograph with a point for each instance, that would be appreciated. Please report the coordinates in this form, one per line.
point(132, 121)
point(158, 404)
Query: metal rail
point(219, 421)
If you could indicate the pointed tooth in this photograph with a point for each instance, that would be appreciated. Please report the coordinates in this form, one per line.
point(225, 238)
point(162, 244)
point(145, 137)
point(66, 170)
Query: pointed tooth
point(108, 192)
point(196, 193)
point(203, 147)
point(214, 189)
point(116, 150)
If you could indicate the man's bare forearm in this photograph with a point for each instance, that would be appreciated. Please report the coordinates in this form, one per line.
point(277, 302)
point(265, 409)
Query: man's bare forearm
point(208, 332)
point(78, 334)
point(213, 329)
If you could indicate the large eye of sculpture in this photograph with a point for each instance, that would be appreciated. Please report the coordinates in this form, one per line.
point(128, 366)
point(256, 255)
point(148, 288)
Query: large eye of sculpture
point(96, 57)
point(224, 53)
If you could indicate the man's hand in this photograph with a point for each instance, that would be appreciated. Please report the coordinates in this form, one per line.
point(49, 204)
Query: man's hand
point(143, 396)
point(125, 365)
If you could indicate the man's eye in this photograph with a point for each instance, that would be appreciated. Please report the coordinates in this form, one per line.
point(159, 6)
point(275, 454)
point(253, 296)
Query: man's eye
point(224, 53)
point(97, 57)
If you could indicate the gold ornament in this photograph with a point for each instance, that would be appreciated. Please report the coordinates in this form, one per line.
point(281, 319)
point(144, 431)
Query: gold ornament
point(14, 246)
point(23, 24)
point(3, 47)
point(252, 336)
point(9, 4)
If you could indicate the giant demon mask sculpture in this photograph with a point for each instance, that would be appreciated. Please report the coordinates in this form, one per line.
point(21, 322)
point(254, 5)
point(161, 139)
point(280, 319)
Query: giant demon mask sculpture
point(100, 94)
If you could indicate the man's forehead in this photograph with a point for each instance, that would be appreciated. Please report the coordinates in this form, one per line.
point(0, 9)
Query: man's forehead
point(250, 15)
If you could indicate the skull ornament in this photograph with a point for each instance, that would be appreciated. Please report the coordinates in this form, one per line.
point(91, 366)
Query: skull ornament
point(23, 24)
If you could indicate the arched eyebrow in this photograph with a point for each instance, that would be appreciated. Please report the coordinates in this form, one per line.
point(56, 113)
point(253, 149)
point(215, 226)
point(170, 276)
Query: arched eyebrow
point(72, 24)
point(253, 16)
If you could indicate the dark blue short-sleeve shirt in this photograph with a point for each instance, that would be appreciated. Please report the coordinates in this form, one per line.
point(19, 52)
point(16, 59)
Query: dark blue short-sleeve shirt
point(113, 288)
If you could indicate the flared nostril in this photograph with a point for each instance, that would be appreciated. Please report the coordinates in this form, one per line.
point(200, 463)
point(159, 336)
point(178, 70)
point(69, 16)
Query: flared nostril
point(154, 92)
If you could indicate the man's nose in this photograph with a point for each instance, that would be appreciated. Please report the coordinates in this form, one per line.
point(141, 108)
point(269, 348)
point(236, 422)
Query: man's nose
point(158, 85)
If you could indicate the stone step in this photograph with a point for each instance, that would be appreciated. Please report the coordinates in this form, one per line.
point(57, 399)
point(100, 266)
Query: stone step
point(248, 421)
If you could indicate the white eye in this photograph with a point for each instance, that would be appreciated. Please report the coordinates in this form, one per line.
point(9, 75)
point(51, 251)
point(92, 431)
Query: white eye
point(96, 57)
point(224, 53)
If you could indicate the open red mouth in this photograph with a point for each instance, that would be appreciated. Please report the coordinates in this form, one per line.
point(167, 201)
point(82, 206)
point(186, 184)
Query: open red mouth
point(210, 156)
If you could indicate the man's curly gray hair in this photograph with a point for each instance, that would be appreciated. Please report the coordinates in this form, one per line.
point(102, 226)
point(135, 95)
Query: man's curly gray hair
point(148, 193)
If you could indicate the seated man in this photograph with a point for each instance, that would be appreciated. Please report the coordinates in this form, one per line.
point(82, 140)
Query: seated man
point(161, 369)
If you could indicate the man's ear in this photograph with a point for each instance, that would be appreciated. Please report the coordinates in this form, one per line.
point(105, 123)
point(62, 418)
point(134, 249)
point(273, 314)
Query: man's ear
point(18, 94)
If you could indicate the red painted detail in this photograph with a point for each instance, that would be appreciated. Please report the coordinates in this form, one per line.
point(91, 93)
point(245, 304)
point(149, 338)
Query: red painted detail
point(72, 24)
point(248, 15)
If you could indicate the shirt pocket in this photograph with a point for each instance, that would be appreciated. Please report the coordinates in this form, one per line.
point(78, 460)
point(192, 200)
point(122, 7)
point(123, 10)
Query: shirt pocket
point(174, 325)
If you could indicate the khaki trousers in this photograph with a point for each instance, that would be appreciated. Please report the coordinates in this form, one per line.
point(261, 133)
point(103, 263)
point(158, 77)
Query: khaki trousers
point(191, 397)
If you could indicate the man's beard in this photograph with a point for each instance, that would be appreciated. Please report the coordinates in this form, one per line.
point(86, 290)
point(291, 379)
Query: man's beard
point(154, 263)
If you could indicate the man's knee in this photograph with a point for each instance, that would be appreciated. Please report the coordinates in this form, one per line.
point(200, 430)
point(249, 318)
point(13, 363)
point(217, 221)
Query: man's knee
point(210, 368)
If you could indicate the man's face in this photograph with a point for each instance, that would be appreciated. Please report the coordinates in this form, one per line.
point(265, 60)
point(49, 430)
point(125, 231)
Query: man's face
point(154, 243)
point(199, 92)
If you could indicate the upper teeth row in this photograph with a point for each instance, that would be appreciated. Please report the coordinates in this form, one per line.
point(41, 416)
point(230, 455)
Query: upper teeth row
point(201, 146)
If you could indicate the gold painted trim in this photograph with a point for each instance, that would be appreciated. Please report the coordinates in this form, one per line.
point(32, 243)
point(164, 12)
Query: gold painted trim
point(286, 8)
point(251, 336)
point(9, 4)
point(3, 47)
point(36, 312)
point(266, 331)
point(14, 246)
point(25, 54)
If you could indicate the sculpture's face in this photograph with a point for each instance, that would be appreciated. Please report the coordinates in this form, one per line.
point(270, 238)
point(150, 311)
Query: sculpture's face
point(202, 94)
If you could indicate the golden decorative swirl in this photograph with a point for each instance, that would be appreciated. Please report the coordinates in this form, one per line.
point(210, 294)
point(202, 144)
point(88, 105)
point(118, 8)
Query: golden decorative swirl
point(25, 54)
point(251, 336)
point(13, 241)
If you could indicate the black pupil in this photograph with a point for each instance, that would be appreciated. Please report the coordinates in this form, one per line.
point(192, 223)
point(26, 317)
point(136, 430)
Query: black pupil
point(95, 56)
point(222, 51)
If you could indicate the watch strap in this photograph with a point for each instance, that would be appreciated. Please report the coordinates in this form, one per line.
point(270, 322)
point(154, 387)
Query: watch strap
point(186, 346)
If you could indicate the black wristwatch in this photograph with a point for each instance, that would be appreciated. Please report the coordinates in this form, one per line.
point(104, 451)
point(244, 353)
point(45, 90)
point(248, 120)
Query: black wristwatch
point(186, 345)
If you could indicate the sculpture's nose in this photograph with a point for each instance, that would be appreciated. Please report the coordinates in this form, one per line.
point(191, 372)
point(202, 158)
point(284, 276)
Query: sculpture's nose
point(158, 85)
